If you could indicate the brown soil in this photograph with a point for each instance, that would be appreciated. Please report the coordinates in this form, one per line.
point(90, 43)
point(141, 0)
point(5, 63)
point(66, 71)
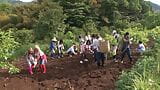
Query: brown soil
point(67, 74)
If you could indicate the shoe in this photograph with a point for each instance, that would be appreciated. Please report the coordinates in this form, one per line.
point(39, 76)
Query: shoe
point(121, 61)
point(116, 60)
point(52, 58)
point(86, 60)
point(81, 62)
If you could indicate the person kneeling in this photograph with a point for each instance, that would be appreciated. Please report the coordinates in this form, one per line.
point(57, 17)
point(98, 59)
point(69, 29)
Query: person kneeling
point(31, 61)
point(72, 50)
point(141, 47)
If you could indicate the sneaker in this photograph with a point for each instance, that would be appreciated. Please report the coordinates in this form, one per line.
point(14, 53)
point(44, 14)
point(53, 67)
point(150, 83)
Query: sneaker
point(81, 62)
point(121, 61)
point(116, 60)
point(70, 55)
point(52, 58)
point(86, 60)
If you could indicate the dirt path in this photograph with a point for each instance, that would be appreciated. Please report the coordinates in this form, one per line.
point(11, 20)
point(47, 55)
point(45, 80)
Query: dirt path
point(67, 74)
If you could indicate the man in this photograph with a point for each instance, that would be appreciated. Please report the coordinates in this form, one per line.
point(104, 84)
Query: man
point(126, 47)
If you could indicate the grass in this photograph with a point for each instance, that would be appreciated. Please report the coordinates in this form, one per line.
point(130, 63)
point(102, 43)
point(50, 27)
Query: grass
point(145, 74)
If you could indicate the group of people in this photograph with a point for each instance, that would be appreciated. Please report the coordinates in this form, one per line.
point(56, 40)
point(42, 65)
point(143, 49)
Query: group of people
point(89, 44)
point(36, 57)
point(125, 47)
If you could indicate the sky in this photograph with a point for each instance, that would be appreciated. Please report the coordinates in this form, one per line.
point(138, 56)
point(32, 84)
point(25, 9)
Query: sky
point(26, 0)
point(154, 1)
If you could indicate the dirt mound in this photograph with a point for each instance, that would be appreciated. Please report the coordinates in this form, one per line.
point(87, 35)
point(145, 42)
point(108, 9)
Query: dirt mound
point(67, 74)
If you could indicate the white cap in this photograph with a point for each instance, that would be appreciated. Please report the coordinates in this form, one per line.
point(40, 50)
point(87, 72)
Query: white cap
point(54, 39)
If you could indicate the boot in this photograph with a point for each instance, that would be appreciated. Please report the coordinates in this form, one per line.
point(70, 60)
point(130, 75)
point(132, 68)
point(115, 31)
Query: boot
point(30, 71)
point(44, 68)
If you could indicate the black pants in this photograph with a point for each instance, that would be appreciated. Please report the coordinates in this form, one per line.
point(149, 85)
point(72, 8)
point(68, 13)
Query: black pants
point(128, 52)
point(100, 57)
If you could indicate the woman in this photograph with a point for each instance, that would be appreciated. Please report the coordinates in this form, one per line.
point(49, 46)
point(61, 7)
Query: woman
point(41, 57)
point(60, 49)
point(87, 50)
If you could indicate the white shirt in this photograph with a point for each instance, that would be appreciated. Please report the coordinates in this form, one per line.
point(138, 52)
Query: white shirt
point(71, 49)
point(141, 47)
point(95, 44)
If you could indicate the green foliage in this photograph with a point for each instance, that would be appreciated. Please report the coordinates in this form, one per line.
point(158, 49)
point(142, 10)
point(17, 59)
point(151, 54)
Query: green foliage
point(151, 20)
point(48, 26)
point(145, 74)
point(77, 11)
point(138, 34)
point(5, 8)
point(24, 36)
point(90, 27)
point(11, 68)
point(111, 39)
point(8, 45)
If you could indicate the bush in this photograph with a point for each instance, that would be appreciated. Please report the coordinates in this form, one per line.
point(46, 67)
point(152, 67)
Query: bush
point(24, 36)
point(8, 45)
point(11, 68)
point(138, 34)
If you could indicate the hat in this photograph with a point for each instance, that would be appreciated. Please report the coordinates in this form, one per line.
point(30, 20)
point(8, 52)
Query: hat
point(114, 32)
point(54, 39)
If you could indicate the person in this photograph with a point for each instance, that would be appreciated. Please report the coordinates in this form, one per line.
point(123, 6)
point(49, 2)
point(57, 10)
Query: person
point(53, 48)
point(72, 50)
point(81, 41)
point(86, 50)
point(114, 52)
point(99, 56)
point(30, 60)
point(141, 47)
point(115, 46)
point(42, 58)
point(126, 47)
point(60, 49)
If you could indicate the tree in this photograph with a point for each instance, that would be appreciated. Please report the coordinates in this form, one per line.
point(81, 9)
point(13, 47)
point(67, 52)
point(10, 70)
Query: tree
point(51, 20)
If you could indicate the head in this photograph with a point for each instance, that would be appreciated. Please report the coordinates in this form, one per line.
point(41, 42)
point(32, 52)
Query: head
point(79, 37)
point(96, 36)
point(88, 42)
point(126, 34)
point(140, 42)
point(61, 41)
point(30, 50)
point(37, 48)
point(114, 32)
point(93, 35)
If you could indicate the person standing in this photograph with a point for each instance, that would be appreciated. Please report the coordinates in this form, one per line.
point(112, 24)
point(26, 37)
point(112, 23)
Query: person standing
point(53, 48)
point(60, 49)
point(126, 47)
point(81, 43)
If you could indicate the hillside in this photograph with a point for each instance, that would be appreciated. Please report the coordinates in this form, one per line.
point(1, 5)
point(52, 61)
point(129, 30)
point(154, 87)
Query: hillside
point(155, 7)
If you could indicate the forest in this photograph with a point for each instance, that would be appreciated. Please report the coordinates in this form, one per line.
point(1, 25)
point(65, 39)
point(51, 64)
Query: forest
point(22, 25)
